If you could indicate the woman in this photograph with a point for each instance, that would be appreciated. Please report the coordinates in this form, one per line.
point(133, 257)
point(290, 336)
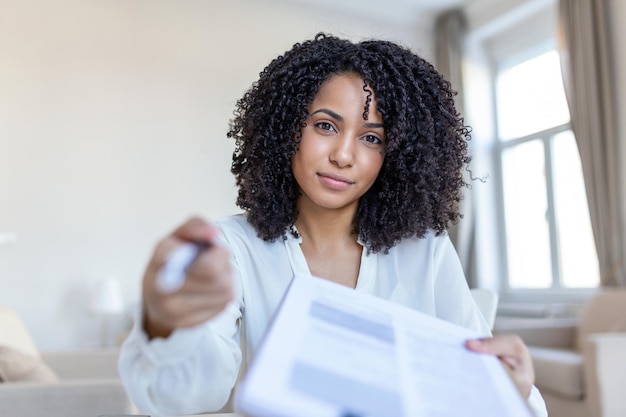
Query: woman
point(349, 165)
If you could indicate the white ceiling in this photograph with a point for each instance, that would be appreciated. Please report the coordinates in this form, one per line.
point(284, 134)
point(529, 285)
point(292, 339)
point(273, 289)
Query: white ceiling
point(396, 10)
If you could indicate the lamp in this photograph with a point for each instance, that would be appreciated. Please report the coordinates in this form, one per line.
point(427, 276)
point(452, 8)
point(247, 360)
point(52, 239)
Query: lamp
point(106, 302)
point(8, 238)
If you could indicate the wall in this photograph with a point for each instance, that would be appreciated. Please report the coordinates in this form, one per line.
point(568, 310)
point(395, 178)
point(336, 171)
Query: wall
point(112, 131)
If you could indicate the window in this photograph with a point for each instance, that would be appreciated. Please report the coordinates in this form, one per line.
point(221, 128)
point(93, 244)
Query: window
point(532, 238)
point(545, 230)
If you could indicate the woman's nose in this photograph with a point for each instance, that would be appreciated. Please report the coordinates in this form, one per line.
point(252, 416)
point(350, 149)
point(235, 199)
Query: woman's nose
point(342, 153)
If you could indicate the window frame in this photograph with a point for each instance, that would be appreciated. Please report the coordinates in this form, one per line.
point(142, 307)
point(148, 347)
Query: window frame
point(546, 137)
point(510, 39)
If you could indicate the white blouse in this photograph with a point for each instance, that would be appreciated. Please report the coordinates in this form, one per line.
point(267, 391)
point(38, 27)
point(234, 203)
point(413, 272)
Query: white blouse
point(195, 369)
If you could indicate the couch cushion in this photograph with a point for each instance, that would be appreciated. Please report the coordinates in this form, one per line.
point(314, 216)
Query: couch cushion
point(13, 333)
point(558, 371)
point(16, 366)
point(605, 312)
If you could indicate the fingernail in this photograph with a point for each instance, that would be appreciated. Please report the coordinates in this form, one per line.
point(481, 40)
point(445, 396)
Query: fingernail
point(474, 343)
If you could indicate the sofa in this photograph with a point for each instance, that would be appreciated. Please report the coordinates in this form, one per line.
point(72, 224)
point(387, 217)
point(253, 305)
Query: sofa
point(580, 363)
point(78, 383)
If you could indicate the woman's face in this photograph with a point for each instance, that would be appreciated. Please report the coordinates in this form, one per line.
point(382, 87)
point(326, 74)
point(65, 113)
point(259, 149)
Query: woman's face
point(340, 153)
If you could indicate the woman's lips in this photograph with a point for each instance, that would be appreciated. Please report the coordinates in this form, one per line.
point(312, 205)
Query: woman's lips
point(334, 181)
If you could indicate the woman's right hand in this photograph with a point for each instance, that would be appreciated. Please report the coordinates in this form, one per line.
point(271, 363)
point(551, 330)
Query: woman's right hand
point(207, 289)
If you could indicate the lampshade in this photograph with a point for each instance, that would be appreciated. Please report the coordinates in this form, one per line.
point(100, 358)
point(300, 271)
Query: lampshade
point(7, 238)
point(107, 298)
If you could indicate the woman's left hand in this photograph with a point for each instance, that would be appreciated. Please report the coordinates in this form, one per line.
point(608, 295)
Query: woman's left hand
point(513, 355)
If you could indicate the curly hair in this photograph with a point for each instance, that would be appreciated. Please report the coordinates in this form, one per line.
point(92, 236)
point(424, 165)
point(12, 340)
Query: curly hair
point(419, 185)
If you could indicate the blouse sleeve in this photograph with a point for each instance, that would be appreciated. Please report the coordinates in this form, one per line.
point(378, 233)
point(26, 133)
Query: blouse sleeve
point(454, 303)
point(191, 371)
point(453, 300)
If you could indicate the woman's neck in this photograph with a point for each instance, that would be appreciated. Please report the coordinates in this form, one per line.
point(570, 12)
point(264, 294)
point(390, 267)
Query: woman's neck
point(322, 228)
point(329, 246)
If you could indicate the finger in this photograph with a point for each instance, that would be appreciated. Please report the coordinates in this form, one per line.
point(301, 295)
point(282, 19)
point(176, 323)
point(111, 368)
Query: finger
point(521, 384)
point(211, 266)
point(220, 286)
point(157, 325)
point(508, 345)
point(195, 229)
point(209, 271)
point(191, 309)
point(207, 286)
point(162, 250)
point(509, 349)
point(514, 356)
point(181, 308)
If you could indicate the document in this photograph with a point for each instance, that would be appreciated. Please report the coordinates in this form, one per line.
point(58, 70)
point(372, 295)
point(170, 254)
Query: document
point(335, 352)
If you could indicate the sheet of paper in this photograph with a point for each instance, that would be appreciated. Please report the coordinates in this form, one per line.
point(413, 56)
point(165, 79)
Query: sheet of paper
point(334, 352)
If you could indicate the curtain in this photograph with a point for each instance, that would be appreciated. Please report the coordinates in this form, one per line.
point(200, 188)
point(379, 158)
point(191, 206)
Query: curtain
point(587, 75)
point(450, 31)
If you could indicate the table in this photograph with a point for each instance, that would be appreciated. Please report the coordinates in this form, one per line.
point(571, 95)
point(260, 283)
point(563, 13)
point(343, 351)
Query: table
point(217, 415)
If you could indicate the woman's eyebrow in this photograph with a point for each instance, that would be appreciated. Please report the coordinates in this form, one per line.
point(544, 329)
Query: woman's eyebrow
point(330, 113)
point(369, 125)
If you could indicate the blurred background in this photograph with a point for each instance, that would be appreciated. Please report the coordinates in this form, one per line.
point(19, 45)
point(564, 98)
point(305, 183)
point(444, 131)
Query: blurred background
point(113, 120)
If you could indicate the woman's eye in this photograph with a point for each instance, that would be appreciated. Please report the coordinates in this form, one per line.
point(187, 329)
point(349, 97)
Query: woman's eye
point(324, 126)
point(375, 140)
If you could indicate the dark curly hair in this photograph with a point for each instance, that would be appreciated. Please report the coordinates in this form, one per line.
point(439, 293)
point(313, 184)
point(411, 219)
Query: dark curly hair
point(419, 185)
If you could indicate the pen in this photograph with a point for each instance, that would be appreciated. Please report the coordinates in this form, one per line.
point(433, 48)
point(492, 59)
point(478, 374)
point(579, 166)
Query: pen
point(171, 276)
